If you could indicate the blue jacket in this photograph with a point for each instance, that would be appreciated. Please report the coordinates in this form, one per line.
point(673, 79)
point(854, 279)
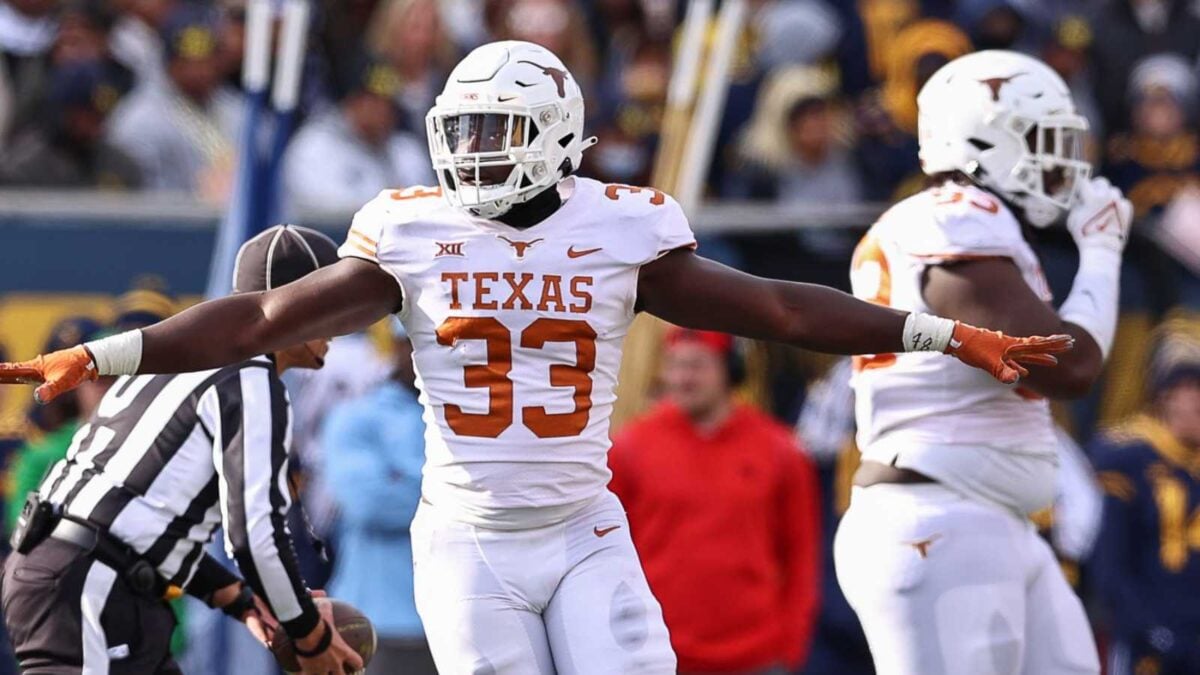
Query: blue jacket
point(1146, 563)
point(374, 449)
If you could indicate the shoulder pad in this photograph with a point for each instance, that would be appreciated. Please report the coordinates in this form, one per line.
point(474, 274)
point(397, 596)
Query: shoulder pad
point(954, 222)
point(388, 209)
point(648, 223)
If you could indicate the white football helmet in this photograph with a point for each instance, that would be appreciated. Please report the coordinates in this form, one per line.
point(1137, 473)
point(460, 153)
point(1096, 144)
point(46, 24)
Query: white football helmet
point(508, 125)
point(1007, 121)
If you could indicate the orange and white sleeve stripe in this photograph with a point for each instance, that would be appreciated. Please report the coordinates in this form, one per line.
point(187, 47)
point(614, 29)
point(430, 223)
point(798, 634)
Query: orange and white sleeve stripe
point(360, 245)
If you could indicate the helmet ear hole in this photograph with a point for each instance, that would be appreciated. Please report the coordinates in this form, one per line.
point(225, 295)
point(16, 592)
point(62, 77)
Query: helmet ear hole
point(980, 144)
point(566, 140)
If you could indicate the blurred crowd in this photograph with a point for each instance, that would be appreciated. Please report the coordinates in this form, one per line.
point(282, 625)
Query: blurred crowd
point(146, 95)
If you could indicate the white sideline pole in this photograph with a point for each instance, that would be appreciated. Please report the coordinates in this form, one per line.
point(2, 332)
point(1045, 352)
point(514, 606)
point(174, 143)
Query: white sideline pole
point(701, 138)
point(682, 89)
point(681, 92)
point(290, 64)
point(257, 62)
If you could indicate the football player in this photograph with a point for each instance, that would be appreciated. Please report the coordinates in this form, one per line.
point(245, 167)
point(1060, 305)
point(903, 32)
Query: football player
point(936, 553)
point(517, 284)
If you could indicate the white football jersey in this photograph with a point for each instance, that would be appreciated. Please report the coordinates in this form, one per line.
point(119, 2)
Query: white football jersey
point(517, 338)
point(920, 399)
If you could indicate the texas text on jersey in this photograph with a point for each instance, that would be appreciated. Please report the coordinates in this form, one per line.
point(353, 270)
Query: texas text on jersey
point(531, 322)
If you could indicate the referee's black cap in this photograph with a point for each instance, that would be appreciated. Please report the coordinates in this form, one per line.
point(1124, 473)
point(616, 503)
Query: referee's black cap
point(281, 255)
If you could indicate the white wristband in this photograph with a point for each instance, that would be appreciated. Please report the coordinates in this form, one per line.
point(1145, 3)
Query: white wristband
point(120, 354)
point(927, 333)
point(1093, 301)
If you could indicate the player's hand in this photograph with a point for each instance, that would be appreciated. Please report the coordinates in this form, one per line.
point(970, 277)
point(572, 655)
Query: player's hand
point(1001, 356)
point(57, 372)
point(1101, 218)
point(338, 658)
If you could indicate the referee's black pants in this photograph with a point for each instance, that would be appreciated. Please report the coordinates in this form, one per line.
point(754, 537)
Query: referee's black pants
point(70, 615)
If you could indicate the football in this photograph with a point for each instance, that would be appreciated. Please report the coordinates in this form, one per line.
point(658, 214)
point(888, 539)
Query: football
point(354, 627)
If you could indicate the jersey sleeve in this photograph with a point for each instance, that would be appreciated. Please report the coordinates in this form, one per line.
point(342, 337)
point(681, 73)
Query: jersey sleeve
point(959, 223)
point(647, 224)
point(673, 230)
point(366, 230)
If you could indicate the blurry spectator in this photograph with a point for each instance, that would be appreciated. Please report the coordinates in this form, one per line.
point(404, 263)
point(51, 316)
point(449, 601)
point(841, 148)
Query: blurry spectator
point(27, 31)
point(992, 24)
point(67, 148)
point(1126, 32)
point(181, 131)
point(83, 34)
point(353, 367)
point(887, 121)
point(799, 32)
point(463, 20)
point(231, 39)
point(618, 26)
point(58, 421)
point(377, 449)
point(796, 148)
point(143, 305)
point(1145, 565)
point(136, 38)
point(723, 509)
point(411, 36)
point(1066, 51)
point(1161, 152)
point(630, 116)
point(557, 25)
point(342, 159)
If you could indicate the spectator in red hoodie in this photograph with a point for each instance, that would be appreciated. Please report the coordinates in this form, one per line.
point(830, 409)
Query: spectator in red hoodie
point(723, 509)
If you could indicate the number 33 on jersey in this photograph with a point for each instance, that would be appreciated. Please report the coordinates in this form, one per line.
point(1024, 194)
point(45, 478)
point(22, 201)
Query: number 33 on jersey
point(517, 333)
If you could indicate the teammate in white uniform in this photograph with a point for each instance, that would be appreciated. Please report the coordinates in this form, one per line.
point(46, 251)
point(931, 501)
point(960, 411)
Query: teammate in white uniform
point(935, 553)
point(517, 283)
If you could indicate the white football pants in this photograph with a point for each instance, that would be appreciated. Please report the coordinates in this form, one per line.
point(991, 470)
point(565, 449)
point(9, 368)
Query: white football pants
point(945, 585)
point(567, 599)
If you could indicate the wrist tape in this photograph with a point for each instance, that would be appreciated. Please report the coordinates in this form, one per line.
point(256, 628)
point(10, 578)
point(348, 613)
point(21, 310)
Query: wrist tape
point(927, 333)
point(119, 354)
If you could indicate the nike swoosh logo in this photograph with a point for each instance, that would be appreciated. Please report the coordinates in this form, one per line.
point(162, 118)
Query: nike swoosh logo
point(505, 99)
point(572, 253)
point(601, 532)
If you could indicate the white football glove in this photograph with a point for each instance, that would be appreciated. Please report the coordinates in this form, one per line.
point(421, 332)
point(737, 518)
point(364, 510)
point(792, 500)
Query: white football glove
point(1101, 216)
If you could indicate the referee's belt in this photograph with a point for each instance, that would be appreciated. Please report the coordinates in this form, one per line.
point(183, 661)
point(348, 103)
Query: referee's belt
point(138, 573)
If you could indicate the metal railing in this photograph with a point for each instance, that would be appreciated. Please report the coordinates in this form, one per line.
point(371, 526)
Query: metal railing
point(77, 208)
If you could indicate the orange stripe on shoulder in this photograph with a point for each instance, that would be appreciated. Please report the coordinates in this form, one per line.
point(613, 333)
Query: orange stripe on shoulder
point(363, 249)
point(364, 237)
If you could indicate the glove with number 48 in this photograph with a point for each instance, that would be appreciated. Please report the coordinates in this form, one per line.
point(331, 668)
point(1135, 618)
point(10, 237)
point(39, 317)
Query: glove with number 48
point(1101, 217)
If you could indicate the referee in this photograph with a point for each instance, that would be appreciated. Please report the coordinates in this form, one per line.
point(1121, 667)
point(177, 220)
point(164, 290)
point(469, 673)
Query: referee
point(121, 524)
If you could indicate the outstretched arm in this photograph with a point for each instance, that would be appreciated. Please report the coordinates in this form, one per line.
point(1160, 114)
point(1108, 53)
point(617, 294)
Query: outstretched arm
point(695, 292)
point(690, 291)
point(342, 298)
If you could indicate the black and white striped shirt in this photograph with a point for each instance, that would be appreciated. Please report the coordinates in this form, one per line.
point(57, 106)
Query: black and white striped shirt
point(166, 459)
